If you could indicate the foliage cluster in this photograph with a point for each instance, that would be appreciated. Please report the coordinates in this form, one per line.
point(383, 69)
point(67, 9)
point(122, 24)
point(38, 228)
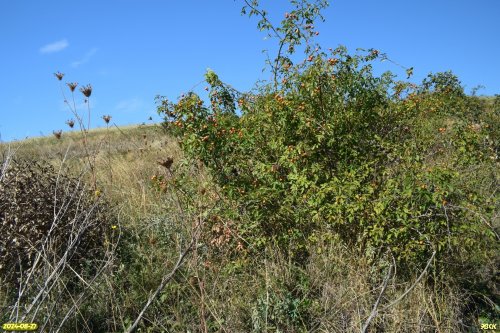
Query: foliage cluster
point(389, 166)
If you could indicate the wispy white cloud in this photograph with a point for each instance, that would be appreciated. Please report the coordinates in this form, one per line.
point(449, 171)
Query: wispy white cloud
point(85, 58)
point(54, 47)
point(132, 104)
point(104, 72)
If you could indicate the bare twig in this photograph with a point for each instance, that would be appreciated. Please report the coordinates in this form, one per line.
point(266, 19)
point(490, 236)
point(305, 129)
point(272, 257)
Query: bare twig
point(447, 226)
point(413, 285)
point(166, 278)
point(384, 287)
point(375, 306)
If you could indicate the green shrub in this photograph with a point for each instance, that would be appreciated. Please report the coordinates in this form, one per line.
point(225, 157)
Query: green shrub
point(329, 151)
point(387, 165)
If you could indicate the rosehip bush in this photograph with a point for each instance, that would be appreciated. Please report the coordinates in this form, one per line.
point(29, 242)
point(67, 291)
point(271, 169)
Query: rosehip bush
point(334, 149)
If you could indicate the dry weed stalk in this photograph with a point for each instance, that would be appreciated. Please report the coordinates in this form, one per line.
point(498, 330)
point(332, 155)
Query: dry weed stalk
point(84, 128)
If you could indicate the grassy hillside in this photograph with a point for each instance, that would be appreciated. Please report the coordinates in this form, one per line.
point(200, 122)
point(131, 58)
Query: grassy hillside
point(328, 199)
point(125, 158)
point(156, 210)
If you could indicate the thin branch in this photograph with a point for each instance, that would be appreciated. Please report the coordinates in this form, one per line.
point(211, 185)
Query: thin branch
point(166, 279)
point(481, 217)
point(375, 306)
point(276, 33)
point(413, 286)
point(282, 40)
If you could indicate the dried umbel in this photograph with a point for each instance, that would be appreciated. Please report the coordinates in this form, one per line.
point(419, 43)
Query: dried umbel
point(70, 123)
point(57, 134)
point(72, 86)
point(106, 118)
point(86, 90)
point(59, 75)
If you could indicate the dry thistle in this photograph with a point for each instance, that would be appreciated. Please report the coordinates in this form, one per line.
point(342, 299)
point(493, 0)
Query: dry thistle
point(106, 118)
point(166, 163)
point(57, 134)
point(70, 123)
point(72, 85)
point(59, 75)
point(86, 90)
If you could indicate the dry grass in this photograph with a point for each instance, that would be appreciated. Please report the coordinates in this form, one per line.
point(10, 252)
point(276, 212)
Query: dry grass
point(337, 289)
point(125, 159)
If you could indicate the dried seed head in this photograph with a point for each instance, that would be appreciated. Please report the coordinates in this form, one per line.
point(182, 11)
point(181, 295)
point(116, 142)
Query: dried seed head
point(106, 118)
point(86, 90)
point(59, 75)
point(166, 163)
point(72, 85)
point(70, 123)
point(57, 134)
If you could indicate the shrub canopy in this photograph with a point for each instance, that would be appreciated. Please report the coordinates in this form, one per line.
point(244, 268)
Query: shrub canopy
point(335, 150)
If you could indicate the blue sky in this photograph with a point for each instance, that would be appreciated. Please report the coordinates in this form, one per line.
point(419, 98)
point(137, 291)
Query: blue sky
point(132, 50)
